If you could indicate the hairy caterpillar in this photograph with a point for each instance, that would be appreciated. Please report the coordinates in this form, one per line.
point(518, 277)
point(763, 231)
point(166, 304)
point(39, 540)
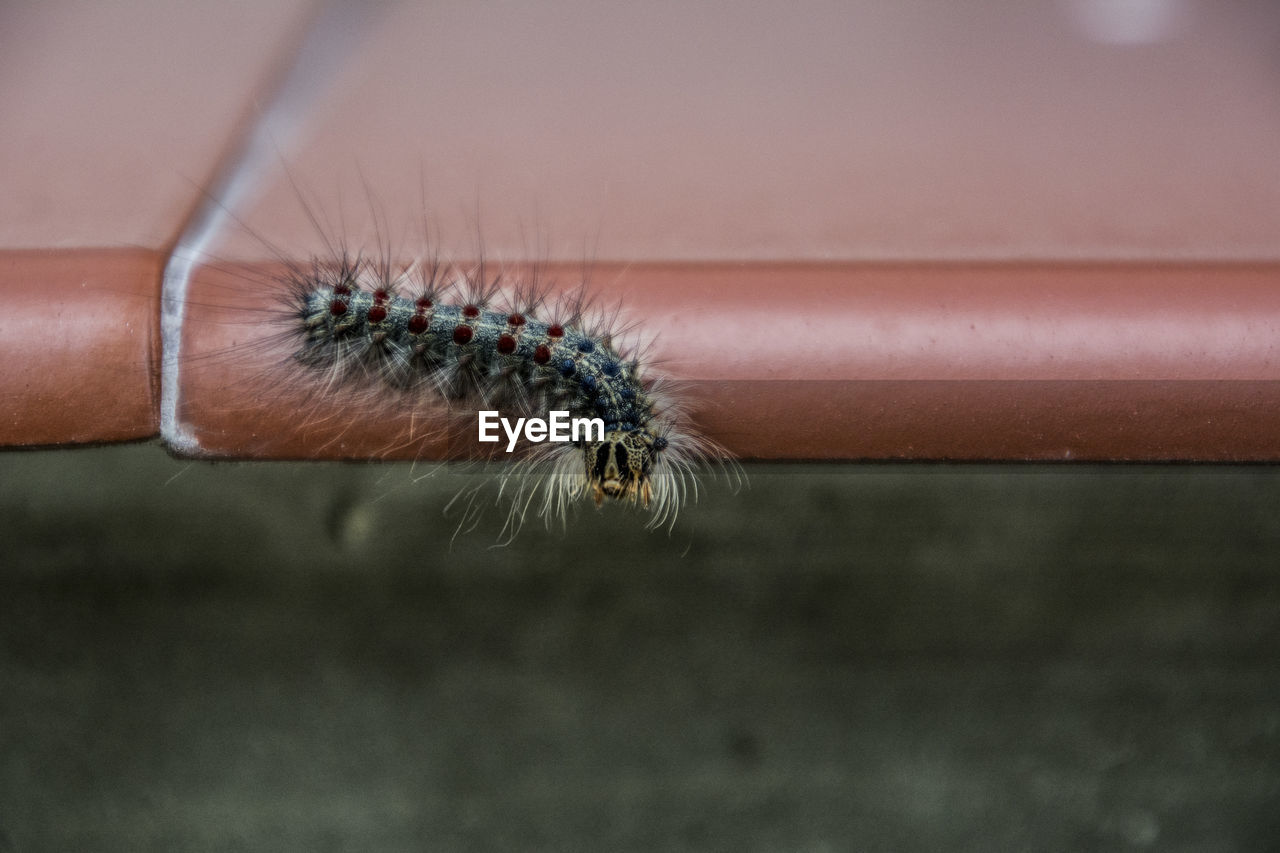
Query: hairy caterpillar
point(431, 343)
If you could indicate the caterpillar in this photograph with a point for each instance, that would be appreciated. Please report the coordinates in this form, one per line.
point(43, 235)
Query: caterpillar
point(447, 341)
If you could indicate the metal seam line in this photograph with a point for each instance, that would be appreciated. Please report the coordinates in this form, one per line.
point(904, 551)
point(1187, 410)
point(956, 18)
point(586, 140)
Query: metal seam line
point(332, 37)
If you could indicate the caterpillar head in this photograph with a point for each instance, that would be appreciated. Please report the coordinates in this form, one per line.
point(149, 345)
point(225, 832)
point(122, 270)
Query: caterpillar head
point(619, 466)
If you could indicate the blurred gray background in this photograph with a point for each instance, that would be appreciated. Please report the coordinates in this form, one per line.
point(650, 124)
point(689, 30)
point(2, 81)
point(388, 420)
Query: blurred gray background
point(203, 656)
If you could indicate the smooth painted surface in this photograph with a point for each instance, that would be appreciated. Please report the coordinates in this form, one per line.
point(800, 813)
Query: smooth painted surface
point(906, 361)
point(711, 131)
point(79, 350)
point(276, 657)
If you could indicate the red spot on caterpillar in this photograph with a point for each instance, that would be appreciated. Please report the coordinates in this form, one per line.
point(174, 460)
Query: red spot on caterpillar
point(556, 331)
point(542, 354)
point(462, 335)
point(377, 314)
point(337, 307)
point(506, 344)
point(423, 303)
point(342, 289)
point(515, 320)
point(381, 295)
point(417, 324)
point(470, 312)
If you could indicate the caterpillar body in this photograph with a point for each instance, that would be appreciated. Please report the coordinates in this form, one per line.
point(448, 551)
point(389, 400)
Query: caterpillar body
point(471, 350)
point(428, 335)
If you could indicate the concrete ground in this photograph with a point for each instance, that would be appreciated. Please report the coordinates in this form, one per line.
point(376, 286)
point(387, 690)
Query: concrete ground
point(286, 657)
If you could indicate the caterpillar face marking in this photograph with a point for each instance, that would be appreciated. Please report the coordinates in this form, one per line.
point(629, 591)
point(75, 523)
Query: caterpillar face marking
point(619, 466)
